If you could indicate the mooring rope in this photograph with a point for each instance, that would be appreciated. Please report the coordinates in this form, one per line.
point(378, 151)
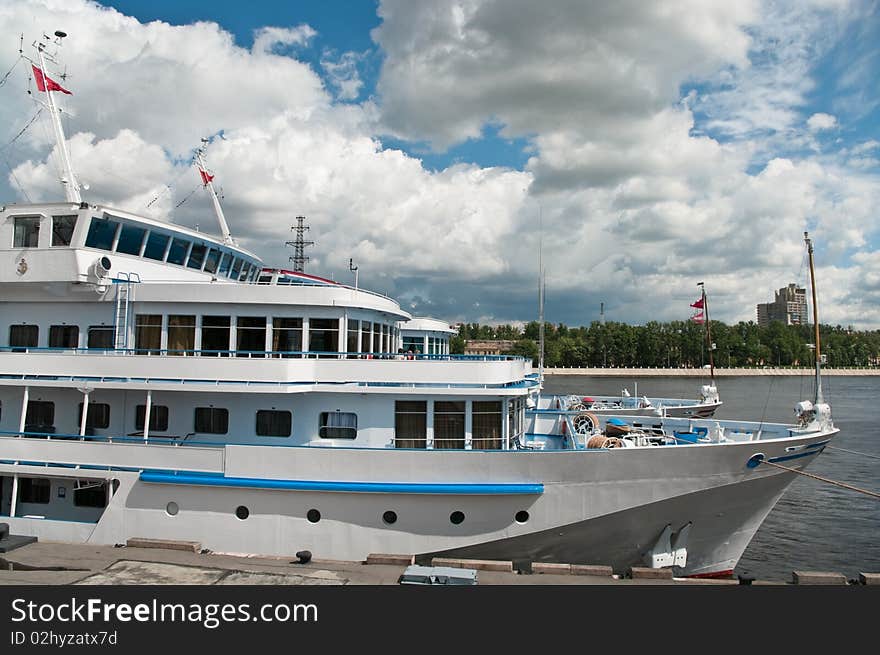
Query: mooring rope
point(819, 477)
point(854, 452)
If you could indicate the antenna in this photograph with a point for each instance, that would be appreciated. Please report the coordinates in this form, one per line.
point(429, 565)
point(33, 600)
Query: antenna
point(353, 269)
point(541, 290)
point(709, 344)
point(299, 258)
point(208, 183)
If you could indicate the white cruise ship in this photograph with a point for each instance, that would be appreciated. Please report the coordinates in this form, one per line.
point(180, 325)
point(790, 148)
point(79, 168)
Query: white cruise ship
point(158, 382)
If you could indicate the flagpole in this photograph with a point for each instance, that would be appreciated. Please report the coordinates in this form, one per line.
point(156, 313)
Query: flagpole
point(71, 186)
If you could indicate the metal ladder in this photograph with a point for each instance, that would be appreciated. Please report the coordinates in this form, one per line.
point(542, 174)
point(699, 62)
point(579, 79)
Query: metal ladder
point(124, 295)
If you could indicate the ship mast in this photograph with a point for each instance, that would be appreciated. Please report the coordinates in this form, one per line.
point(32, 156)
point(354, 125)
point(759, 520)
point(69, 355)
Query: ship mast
point(71, 185)
point(207, 181)
point(708, 332)
point(809, 243)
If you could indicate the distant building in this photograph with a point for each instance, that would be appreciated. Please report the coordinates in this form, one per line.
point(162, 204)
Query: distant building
point(790, 307)
point(488, 347)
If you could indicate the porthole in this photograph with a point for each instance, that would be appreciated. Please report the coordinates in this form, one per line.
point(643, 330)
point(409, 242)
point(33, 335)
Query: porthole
point(390, 517)
point(456, 517)
point(522, 516)
point(172, 509)
point(313, 516)
point(242, 512)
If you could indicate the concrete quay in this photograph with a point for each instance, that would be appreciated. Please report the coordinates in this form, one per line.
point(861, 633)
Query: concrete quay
point(56, 563)
point(704, 373)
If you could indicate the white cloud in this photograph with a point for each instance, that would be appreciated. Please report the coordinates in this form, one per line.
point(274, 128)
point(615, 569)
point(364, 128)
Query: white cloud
point(635, 201)
point(821, 121)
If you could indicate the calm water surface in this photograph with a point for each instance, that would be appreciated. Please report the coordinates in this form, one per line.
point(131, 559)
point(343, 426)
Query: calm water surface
point(815, 526)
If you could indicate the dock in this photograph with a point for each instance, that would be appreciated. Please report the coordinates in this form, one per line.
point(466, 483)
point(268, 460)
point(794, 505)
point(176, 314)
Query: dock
point(165, 563)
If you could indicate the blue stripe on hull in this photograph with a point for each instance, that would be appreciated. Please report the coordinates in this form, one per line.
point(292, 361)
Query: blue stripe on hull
point(212, 480)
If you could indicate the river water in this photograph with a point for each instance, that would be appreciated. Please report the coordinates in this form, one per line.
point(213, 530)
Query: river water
point(815, 526)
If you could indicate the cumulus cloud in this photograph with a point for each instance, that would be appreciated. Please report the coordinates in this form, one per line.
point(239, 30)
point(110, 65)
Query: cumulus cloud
point(821, 121)
point(650, 163)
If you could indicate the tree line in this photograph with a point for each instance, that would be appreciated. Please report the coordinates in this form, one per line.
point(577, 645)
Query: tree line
point(680, 344)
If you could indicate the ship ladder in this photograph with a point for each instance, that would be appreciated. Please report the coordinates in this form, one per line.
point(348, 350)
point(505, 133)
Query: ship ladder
point(124, 295)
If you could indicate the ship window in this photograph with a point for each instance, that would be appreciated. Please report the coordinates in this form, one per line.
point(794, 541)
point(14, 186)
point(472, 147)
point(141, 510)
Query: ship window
point(487, 425)
point(40, 416)
point(23, 336)
point(324, 335)
point(101, 336)
point(251, 336)
point(449, 424)
point(352, 340)
point(91, 493)
point(157, 244)
point(33, 490)
point(366, 336)
point(26, 233)
point(410, 423)
point(181, 334)
point(236, 268)
point(338, 425)
point(197, 256)
point(177, 252)
point(273, 423)
point(215, 335)
point(98, 416)
point(62, 230)
point(101, 233)
point(63, 336)
point(158, 417)
point(287, 335)
point(130, 240)
point(212, 420)
point(223, 269)
point(147, 333)
point(245, 270)
point(413, 344)
point(212, 260)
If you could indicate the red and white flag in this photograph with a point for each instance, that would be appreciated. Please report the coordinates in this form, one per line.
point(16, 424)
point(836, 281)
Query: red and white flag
point(698, 317)
point(698, 304)
point(44, 80)
point(205, 177)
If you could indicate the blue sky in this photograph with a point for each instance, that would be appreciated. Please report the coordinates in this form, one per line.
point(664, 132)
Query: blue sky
point(660, 145)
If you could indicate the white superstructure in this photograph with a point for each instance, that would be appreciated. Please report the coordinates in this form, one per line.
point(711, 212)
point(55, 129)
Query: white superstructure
point(160, 382)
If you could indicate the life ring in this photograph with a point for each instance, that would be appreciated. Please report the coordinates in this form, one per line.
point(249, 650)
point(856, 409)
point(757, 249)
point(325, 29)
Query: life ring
point(585, 423)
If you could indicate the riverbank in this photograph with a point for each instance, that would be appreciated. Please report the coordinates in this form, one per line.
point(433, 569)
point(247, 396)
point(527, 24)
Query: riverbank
point(704, 373)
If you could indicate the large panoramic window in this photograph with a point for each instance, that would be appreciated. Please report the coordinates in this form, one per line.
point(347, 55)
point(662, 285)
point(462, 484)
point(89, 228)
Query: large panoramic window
point(212, 420)
point(338, 425)
point(157, 244)
point(251, 336)
point(287, 335)
point(177, 252)
point(212, 260)
point(197, 256)
point(62, 230)
point(324, 335)
point(90, 493)
point(147, 333)
point(101, 234)
point(26, 232)
point(34, 490)
point(215, 335)
point(131, 238)
point(486, 425)
point(181, 334)
point(410, 423)
point(273, 423)
point(449, 424)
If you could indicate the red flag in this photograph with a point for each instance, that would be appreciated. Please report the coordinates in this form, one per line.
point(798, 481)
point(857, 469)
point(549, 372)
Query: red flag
point(42, 81)
point(698, 317)
point(698, 304)
point(205, 177)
